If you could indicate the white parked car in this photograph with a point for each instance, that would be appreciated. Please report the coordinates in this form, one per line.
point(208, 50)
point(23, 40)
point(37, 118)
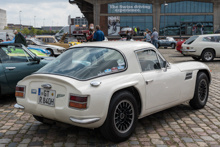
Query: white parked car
point(110, 86)
point(36, 43)
point(205, 47)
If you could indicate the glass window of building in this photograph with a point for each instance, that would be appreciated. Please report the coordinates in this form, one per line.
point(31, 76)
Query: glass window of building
point(130, 7)
point(187, 7)
point(183, 25)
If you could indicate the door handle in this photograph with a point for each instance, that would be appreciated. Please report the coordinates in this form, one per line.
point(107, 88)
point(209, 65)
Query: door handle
point(149, 81)
point(10, 68)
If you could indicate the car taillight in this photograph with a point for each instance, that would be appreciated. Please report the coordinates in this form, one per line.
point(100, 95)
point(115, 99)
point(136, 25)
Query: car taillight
point(20, 91)
point(188, 48)
point(79, 102)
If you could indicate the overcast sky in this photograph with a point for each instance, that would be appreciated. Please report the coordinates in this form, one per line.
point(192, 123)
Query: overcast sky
point(52, 10)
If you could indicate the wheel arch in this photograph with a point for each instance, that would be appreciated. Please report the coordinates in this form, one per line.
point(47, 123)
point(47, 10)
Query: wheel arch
point(209, 48)
point(207, 73)
point(134, 91)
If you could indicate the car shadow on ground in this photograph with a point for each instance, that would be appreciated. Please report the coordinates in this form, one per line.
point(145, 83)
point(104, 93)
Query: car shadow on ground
point(66, 133)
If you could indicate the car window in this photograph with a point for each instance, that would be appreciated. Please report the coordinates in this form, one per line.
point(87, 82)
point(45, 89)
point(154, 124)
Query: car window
point(50, 40)
point(162, 63)
point(84, 63)
point(29, 42)
point(42, 39)
point(191, 40)
point(211, 39)
point(61, 31)
point(12, 54)
point(148, 60)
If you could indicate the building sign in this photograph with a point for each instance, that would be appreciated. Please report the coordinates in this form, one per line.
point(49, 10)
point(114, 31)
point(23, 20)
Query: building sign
point(129, 7)
point(113, 25)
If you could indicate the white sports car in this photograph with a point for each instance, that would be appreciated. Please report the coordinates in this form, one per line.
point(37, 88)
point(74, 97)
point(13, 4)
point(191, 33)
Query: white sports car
point(110, 86)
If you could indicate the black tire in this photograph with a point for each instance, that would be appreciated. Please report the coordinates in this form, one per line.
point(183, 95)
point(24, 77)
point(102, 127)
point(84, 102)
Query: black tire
point(51, 52)
point(208, 55)
point(201, 91)
point(173, 46)
point(110, 130)
point(158, 45)
point(196, 58)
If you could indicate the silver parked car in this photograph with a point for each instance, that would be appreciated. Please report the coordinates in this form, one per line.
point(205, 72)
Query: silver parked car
point(168, 42)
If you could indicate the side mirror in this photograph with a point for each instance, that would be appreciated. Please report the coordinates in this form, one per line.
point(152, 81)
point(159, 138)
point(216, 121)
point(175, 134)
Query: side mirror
point(37, 59)
point(165, 66)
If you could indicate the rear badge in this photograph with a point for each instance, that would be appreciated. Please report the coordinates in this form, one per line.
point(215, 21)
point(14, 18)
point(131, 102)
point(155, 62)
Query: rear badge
point(60, 95)
point(33, 91)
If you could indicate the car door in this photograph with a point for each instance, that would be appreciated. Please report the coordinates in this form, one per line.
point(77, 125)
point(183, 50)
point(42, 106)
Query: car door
point(17, 64)
point(162, 87)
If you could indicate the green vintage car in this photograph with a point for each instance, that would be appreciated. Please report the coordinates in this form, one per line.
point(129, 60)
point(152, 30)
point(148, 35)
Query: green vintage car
point(17, 62)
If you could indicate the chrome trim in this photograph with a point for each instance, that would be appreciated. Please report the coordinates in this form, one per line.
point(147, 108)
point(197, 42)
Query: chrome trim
point(47, 86)
point(95, 83)
point(17, 106)
point(84, 121)
point(187, 50)
point(10, 68)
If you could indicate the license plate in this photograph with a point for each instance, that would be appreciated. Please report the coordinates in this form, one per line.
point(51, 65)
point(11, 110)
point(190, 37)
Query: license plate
point(46, 97)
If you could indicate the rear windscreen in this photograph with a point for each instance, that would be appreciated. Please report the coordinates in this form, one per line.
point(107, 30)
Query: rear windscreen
point(191, 40)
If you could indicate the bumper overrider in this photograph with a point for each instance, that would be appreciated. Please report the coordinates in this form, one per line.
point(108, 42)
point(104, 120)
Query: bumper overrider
point(75, 120)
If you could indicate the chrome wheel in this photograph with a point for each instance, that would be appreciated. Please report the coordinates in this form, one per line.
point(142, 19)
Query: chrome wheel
point(173, 46)
point(202, 92)
point(124, 116)
point(208, 56)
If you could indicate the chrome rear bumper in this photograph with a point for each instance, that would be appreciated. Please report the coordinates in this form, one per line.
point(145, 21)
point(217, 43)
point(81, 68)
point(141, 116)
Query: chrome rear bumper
point(17, 106)
point(84, 121)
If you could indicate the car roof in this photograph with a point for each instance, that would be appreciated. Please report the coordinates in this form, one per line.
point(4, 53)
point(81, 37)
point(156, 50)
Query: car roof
point(207, 35)
point(13, 44)
point(124, 46)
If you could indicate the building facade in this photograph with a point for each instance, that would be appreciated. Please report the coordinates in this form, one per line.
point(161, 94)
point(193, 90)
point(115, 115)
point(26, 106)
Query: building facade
point(79, 21)
point(170, 17)
point(3, 19)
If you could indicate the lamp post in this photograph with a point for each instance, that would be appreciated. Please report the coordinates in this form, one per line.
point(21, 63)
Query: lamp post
point(34, 21)
point(43, 21)
point(20, 18)
point(165, 4)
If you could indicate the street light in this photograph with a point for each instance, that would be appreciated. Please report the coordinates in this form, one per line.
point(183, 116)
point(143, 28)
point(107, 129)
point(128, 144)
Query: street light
point(43, 21)
point(20, 18)
point(165, 4)
point(34, 21)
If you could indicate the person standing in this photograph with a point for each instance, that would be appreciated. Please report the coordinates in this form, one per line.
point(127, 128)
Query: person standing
point(144, 36)
point(155, 37)
point(148, 37)
point(128, 35)
point(194, 30)
point(98, 35)
point(135, 29)
point(19, 38)
point(202, 30)
point(138, 31)
point(89, 35)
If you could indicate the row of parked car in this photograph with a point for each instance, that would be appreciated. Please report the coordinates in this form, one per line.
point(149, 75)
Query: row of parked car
point(205, 47)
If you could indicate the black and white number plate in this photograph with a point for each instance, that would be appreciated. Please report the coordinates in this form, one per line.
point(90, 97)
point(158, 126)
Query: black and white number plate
point(46, 97)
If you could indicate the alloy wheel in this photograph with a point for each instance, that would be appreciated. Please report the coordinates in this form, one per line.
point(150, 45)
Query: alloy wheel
point(208, 56)
point(202, 92)
point(124, 116)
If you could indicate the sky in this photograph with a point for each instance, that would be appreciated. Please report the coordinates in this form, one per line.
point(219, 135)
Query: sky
point(55, 12)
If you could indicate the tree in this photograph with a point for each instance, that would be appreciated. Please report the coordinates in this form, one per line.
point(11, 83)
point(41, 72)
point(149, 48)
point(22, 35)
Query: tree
point(25, 31)
point(6, 28)
point(33, 31)
point(39, 32)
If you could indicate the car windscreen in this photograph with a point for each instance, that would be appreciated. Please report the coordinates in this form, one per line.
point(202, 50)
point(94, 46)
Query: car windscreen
point(191, 40)
point(126, 29)
point(83, 63)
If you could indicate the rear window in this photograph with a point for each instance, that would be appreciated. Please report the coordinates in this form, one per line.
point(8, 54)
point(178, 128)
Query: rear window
point(86, 63)
point(191, 40)
point(211, 39)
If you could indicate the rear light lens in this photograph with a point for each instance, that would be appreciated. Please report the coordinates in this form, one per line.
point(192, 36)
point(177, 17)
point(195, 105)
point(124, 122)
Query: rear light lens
point(20, 91)
point(79, 102)
point(187, 47)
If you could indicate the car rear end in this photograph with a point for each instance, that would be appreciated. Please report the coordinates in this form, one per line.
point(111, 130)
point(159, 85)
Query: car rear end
point(189, 47)
point(179, 46)
point(60, 99)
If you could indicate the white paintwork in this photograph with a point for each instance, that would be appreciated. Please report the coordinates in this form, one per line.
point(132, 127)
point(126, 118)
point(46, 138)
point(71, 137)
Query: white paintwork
point(198, 46)
point(164, 89)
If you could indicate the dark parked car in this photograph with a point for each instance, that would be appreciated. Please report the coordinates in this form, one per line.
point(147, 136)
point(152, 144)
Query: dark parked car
point(124, 30)
point(17, 62)
point(168, 42)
